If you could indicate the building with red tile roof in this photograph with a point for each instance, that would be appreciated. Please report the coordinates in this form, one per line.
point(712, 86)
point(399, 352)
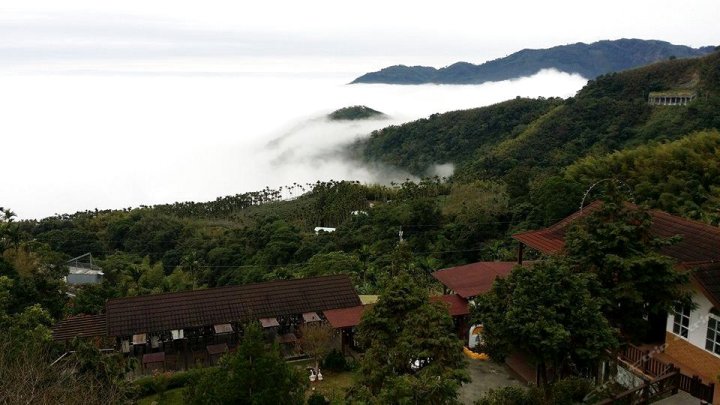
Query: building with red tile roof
point(692, 336)
point(473, 279)
point(345, 317)
point(699, 242)
point(457, 305)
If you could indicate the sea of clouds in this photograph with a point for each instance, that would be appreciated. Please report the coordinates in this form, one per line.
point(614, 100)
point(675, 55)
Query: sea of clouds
point(104, 139)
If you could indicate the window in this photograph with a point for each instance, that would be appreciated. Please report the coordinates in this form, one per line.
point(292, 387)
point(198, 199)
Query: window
point(712, 343)
point(681, 323)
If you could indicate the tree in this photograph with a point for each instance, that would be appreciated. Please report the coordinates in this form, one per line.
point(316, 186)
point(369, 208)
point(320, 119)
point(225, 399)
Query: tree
point(27, 372)
point(412, 354)
point(333, 263)
point(9, 230)
point(636, 282)
point(554, 198)
point(255, 374)
point(27, 376)
point(316, 340)
point(90, 299)
point(548, 312)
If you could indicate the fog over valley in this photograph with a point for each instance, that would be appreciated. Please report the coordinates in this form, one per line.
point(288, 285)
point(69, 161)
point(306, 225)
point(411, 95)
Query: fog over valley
point(118, 140)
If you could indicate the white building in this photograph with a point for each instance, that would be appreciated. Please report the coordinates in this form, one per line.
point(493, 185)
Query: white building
point(81, 270)
point(319, 229)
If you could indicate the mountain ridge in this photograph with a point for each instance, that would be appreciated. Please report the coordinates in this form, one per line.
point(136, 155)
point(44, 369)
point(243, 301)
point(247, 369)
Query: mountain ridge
point(524, 137)
point(588, 60)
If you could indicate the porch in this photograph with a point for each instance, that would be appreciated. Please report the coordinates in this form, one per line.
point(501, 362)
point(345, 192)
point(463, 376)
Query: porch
point(652, 364)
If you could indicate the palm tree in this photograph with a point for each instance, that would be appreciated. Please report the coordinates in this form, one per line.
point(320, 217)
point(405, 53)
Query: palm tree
point(9, 231)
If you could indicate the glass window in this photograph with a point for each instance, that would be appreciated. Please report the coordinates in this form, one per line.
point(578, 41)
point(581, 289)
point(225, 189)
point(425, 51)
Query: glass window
point(712, 342)
point(681, 322)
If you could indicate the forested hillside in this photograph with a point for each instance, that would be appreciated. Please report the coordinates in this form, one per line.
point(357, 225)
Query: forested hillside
point(610, 113)
point(588, 60)
point(679, 176)
point(453, 136)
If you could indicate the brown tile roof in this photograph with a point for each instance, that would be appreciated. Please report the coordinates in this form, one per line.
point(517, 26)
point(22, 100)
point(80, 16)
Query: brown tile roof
point(700, 242)
point(80, 326)
point(708, 276)
point(345, 317)
point(473, 279)
point(179, 310)
point(457, 305)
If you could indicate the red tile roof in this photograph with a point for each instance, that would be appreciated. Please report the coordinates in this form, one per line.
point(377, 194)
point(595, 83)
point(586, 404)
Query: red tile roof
point(698, 248)
point(700, 242)
point(80, 326)
point(187, 309)
point(551, 240)
point(345, 317)
point(457, 305)
point(473, 279)
point(349, 317)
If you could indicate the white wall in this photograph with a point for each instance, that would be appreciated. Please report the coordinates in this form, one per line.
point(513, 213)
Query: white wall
point(697, 332)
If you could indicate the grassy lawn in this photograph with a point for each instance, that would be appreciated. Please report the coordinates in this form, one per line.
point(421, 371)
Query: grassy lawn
point(172, 397)
point(333, 386)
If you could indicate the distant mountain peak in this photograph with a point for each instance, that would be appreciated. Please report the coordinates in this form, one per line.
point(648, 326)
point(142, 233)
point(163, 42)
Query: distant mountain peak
point(588, 60)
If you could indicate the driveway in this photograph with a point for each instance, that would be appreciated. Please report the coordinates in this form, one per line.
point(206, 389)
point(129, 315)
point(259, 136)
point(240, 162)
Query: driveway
point(485, 375)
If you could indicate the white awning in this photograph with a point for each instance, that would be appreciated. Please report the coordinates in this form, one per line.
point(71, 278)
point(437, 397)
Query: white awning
point(223, 328)
point(139, 339)
point(269, 322)
point(311, 317)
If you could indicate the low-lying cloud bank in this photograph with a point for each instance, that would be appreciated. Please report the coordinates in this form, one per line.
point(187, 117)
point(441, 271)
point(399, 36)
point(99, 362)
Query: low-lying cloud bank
point(77, 142)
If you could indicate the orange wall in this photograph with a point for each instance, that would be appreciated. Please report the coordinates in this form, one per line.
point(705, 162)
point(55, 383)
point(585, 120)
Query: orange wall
point(693, 359)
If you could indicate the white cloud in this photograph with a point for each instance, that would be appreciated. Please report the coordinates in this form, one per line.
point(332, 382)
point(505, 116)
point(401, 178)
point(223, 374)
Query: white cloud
point(85, 141)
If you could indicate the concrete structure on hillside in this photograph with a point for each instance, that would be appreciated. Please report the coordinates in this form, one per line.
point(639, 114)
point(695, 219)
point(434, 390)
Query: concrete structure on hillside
point(674, 97)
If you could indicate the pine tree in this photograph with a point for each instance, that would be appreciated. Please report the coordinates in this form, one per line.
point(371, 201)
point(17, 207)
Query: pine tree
point(412, 354)
point(255, 374)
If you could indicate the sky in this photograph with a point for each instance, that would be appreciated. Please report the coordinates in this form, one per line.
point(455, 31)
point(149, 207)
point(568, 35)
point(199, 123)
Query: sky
point(111, 104)
point(333, 35)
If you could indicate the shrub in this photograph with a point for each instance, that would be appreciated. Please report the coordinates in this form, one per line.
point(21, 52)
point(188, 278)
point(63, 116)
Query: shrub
point(317, 399)
point(571, 390)
point(568, 391)
point(510, 396)
point(335, 361)
point(154, 384)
